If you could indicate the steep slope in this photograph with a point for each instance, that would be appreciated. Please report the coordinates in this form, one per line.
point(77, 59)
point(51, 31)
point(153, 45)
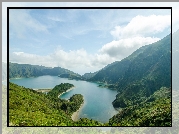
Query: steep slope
point(140, 74)
point(30, 108)
point(147, 72)
point(154, 111)
point(27, 70)
point(89, 75)
point(111, 74)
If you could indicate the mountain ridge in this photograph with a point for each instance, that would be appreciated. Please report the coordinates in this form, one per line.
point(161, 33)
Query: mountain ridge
point(27, 70)
point(139, 75)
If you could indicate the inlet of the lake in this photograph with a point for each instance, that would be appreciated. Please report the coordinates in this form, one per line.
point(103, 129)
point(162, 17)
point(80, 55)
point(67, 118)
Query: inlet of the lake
point(97, 100)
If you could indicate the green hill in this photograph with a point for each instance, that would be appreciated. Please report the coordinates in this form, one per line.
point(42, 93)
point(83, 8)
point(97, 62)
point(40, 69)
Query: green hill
point(27, 70)
point(139, 75)
point(28, 107)
point(154, 111)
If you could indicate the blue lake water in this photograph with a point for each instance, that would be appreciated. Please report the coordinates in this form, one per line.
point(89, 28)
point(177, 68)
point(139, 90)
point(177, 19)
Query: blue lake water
point(97, 100)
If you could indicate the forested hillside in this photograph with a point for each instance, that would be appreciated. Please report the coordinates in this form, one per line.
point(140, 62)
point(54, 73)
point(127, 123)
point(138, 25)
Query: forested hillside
point(28, 107)
point(91, 76)
point(26, 70)
point(154, 111)
point(139, 75)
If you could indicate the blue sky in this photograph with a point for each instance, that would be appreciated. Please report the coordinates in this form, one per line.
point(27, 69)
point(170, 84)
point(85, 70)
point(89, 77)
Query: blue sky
point(82, 40)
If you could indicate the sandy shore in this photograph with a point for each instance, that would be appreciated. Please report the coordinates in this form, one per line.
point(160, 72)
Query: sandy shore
point(75, 115)
point(66, 91)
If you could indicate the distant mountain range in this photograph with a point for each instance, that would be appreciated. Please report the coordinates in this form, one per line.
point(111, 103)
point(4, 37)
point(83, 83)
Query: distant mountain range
point(27, 70)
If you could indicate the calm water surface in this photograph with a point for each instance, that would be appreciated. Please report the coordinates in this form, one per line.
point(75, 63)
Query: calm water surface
point(98, 101)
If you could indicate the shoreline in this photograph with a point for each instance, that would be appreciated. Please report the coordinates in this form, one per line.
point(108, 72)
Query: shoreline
point(66, 91)
point(75, 115)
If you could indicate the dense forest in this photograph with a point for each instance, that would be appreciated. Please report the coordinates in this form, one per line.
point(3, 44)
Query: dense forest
point(28, 107)
point(26, 70)
point(154, 111)
point(139, 75)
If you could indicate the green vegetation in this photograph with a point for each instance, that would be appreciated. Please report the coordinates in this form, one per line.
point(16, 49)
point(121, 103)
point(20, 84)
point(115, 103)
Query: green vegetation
point(94, 130)
point(58, 89)
point(154, 111)
point(30, 108)
point(138, 79)
point(26, 70)
point(139, 75)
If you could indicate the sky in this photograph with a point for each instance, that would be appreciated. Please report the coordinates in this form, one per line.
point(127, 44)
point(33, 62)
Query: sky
point(82, 40)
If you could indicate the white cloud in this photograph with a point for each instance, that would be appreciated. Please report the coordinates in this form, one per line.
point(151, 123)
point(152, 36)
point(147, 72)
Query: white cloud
point(77, 60)
point(142, 26)
point(21, 57)
point(124, 47)
point(18, 53)
point(135, 34)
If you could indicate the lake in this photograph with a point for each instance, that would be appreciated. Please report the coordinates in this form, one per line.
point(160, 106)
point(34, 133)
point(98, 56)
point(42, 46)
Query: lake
point(97, 100)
